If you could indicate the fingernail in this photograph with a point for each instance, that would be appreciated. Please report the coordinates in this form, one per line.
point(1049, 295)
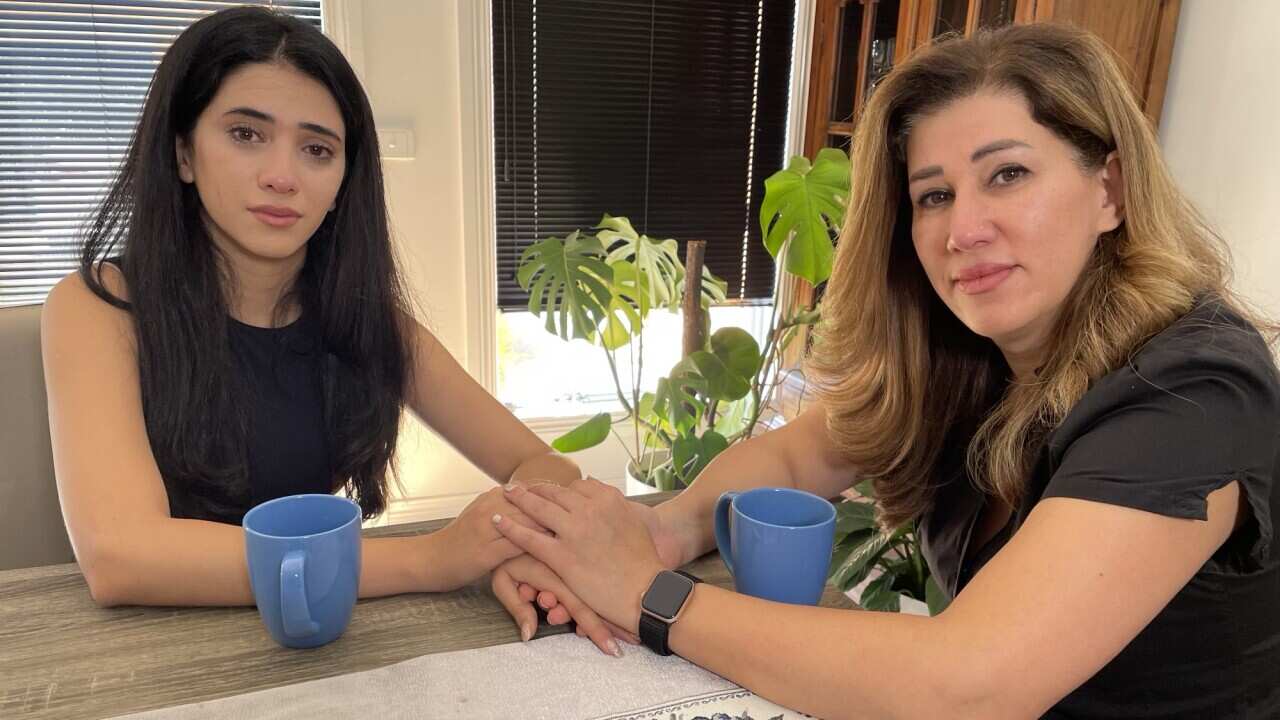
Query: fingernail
point(511, 487)
point(497, 519)
point(614, 650)
point(525, 633)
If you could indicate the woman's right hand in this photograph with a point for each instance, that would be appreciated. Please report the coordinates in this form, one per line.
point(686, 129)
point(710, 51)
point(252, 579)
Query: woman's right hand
point(672, 545)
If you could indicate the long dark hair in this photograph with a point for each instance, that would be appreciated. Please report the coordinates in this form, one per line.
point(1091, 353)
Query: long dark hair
point(349, 289)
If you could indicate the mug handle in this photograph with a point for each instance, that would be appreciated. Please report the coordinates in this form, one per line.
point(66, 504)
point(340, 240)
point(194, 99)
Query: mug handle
point(722, 528)
point(293, 596)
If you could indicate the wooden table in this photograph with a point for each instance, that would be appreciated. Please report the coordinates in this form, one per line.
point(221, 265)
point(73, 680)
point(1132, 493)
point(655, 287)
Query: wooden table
point(63, 657)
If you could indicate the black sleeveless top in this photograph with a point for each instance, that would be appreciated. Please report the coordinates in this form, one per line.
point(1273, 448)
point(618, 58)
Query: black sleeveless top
point(288, 452)
point(287, 446)
point(1196, 408)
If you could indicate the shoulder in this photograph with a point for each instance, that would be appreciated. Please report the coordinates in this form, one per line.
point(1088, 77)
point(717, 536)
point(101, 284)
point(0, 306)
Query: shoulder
point(76, 317)
point(1211, 334)
point(1211, 352)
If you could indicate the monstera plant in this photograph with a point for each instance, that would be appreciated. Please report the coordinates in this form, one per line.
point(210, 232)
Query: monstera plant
point(600, 286)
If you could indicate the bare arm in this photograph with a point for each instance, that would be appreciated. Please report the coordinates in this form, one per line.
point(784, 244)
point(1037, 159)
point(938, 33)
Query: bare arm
point(453, 404)
point(798, 454)
point(1086, 595)
point(114, 501)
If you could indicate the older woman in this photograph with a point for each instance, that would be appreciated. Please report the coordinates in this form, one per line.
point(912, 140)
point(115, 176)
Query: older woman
point(1029, 345)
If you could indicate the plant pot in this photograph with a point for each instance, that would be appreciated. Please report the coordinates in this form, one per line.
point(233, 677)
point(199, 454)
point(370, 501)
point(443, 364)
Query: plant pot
point(636, 483)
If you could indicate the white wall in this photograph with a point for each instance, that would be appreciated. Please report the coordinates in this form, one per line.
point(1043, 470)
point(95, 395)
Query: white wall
point(411, 67)
point(1219, 131)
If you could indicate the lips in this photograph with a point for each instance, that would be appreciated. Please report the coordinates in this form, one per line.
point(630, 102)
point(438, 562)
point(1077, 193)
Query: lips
point(985, 277)
point(275, 216)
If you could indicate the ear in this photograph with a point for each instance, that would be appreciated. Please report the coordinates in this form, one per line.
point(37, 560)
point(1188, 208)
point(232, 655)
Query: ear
point(1111, 178)
point(185, 171)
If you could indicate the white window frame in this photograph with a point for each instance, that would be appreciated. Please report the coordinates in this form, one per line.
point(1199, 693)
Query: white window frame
point(475, 32)
point(343, 22)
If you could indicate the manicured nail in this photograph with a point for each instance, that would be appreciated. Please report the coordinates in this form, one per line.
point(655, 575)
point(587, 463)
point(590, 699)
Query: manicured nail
point(497, 519)
point(614, 650)
point(525, 633)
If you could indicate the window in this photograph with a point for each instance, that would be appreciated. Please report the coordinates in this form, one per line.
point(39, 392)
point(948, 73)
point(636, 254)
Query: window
point(73, 76)
point(670, 113)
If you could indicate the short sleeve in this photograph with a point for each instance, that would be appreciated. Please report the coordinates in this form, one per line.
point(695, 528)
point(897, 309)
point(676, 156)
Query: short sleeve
point(1197, 408)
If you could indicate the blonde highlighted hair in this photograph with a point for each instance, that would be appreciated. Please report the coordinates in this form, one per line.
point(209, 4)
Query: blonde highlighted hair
point(899, 374)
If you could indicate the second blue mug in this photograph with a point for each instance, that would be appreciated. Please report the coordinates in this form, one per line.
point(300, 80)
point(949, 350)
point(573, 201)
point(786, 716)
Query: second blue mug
point(776, 542)
point(304, 565)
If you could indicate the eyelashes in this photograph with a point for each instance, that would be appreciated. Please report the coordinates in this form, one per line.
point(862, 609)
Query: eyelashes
point(1003, 176)
point(246, 135)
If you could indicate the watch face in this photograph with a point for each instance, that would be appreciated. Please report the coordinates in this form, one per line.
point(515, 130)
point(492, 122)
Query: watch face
point(666, 595)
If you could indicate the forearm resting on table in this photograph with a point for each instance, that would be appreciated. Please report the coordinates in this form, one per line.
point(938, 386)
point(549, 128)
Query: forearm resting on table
point(197, 562)
point(830, 663)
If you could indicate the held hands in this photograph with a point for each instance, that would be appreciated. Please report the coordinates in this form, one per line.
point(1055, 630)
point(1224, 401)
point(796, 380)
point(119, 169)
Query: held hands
point(602, 548)
point(672, 550)
point(469, 546)
point(523, 573)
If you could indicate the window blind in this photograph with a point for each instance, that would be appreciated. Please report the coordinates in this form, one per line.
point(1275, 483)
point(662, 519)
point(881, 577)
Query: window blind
point(73, 76)
point(669, 112)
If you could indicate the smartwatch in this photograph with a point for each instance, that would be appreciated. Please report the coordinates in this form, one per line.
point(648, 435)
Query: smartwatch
point(661, 606)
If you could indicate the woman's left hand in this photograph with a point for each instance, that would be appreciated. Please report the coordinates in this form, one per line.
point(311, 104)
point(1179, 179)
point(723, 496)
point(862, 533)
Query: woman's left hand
point(601, 549)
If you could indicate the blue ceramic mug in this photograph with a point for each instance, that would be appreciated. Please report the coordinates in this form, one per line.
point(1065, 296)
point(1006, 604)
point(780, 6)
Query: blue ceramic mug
point(304, 565)
point(776, 542)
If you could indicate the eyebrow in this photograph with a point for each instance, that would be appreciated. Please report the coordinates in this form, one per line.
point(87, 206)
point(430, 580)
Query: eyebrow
point(985, 150)
point(259, 115)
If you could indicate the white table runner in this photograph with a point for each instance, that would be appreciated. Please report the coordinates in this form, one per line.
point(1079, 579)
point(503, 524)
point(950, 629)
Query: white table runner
point(562, 677)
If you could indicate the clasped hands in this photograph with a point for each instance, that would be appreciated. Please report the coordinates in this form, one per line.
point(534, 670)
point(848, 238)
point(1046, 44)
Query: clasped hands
point(586, 554)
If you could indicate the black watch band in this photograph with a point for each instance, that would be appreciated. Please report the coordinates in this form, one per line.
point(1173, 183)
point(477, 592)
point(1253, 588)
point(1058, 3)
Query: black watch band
point(654, 630)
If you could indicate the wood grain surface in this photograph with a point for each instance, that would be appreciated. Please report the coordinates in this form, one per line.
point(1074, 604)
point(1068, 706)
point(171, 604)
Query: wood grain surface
point(63, 657)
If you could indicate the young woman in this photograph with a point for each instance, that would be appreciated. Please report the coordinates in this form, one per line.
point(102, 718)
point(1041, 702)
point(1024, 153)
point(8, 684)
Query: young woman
point(1029, 346)
point(238, 332)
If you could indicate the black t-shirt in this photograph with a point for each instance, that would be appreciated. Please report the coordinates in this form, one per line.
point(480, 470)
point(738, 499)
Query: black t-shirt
point(1197, 407)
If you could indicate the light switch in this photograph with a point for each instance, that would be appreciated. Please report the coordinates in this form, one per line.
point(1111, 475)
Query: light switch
point(395, 142)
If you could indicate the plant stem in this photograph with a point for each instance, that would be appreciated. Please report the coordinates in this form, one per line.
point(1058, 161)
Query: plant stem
point(617, 383)
point(632, 412)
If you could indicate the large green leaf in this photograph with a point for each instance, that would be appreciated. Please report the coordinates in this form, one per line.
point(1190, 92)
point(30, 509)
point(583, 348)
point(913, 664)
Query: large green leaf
point(657, 261)
point(676, 399)
point(690, 455)
point(802, 205)
point(624, 318)
point(853, 516)
point(712, 378)
point(866, 489)
point(739, 352)
point(860, 561)
point(587, 435)
point(731, 417)
point(844, 546)
point(568, 284)
point(714, 289)
point(879, 595)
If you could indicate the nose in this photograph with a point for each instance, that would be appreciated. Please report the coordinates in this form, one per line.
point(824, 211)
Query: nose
point(971, 225)
point(279, 174)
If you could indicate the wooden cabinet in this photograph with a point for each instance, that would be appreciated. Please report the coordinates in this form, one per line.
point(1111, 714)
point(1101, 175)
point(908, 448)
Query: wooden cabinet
point(855, 42)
